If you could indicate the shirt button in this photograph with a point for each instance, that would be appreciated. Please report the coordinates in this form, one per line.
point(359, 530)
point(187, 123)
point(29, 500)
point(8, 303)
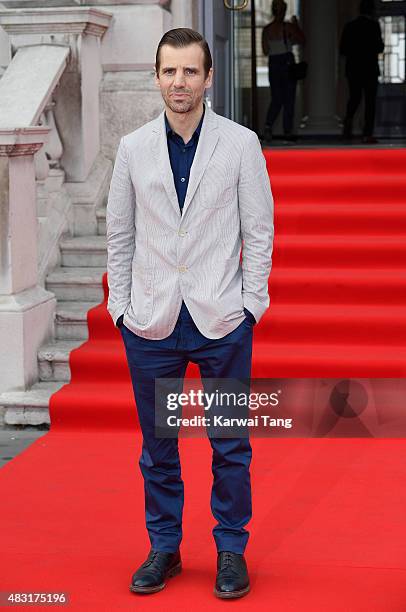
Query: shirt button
point(182, 269)
point(182, 233)
point(183, 150)
point(183, 179)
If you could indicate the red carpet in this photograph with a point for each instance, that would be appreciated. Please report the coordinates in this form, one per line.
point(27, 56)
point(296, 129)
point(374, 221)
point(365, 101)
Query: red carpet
point(328, 530)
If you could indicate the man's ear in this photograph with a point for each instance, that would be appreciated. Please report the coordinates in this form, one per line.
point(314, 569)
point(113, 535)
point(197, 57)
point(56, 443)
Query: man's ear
point(156, 78)
point(209, 79)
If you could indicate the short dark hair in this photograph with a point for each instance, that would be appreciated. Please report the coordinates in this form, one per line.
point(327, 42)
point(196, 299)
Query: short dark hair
point(367, 7)
point(275, 4)
point(183, 37)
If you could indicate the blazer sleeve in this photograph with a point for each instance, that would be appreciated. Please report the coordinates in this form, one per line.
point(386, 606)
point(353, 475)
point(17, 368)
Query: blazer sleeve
point(120, 228)
point(256, 206)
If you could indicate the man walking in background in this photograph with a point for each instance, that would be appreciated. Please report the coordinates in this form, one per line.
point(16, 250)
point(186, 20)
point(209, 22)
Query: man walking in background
point(361, 42)
point(187, 188)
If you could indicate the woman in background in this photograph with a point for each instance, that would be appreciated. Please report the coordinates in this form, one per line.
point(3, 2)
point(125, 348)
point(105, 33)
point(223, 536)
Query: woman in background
point(278, 37)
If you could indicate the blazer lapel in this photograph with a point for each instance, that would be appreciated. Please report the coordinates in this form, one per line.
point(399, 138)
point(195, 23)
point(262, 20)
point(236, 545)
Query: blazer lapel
point(161, 155)
point(207, 143)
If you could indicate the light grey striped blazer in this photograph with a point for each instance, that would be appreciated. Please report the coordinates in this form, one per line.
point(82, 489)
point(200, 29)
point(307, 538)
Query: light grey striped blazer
point(158, 255)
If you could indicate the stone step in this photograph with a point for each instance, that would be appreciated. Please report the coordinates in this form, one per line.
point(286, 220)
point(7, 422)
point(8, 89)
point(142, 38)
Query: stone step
point(101, 221)
point(89, 195)
point(70, 284)
point(84, 251)
point(28, 407)
point(71, 319)
point(53, 360)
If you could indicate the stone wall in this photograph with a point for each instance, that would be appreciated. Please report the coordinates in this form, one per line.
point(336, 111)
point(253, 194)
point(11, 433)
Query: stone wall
point(129, 97)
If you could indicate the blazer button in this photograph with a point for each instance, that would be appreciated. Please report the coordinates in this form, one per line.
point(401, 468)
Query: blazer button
point(182, 233)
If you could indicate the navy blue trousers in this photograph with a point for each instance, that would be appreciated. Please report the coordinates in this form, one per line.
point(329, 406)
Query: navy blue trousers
point(227, 357)
point(359, 84)
point(283, 92)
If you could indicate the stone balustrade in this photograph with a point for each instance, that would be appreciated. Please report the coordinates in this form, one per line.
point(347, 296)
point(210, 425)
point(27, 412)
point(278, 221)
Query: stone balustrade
point(26, 309)
point(49, 132)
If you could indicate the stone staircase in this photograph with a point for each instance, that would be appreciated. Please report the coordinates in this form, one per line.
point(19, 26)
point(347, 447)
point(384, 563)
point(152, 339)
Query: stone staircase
point(77, 285)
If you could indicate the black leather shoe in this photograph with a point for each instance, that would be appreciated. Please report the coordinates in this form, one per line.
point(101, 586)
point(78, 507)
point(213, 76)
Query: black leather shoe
point(150, 576)
point(290, 137)
point(232, 576)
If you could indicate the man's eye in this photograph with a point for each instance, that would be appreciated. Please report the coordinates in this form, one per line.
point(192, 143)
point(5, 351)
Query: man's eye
point(187, 71)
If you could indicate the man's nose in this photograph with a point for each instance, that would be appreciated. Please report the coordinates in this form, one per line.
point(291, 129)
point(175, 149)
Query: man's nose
point(179, 80)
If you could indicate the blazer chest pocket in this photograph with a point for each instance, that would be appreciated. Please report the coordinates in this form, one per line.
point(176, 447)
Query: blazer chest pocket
point(215, 194)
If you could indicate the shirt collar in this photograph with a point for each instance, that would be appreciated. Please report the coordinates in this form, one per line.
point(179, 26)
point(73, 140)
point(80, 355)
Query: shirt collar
point(197, 131)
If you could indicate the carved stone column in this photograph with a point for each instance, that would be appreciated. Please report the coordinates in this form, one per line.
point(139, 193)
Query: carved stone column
point(26, 309)
point(77, 98)
point(320, 21)
point(182, 13)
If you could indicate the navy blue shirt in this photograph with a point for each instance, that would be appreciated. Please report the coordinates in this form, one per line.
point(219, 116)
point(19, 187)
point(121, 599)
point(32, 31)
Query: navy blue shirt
point(181, 156)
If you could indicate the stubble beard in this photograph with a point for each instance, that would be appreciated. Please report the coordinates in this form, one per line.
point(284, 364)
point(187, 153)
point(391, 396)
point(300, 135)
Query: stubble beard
point(181, 106)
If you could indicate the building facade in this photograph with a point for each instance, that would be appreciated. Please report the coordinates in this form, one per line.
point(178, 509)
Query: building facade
point(73, 79)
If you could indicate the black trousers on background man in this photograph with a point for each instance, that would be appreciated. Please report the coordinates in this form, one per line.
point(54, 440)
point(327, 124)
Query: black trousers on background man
point(359, 84)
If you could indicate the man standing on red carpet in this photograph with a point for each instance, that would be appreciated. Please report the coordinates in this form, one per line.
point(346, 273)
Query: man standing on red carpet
point(189, 189)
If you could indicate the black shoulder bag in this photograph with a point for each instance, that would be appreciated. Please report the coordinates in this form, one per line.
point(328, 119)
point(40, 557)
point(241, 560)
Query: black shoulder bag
point(297, 70)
